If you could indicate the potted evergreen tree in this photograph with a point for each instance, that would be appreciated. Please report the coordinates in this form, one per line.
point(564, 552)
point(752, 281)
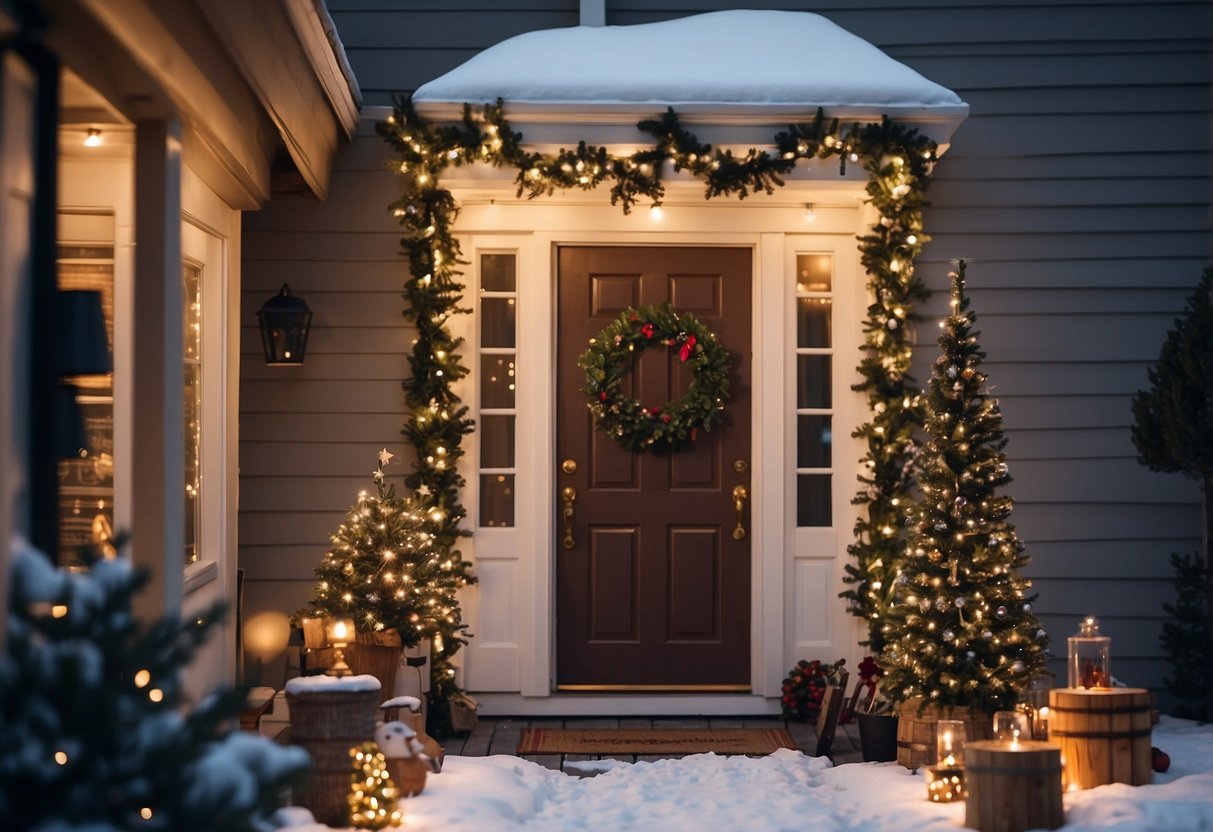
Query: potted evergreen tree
point(961, 640)
point(1173, 432)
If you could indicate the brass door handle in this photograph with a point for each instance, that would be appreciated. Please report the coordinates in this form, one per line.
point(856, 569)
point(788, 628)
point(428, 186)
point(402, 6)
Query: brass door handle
point(569, 495)
point(740, 495)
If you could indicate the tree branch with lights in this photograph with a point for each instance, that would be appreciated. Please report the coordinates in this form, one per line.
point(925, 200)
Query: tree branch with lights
point(898, 161)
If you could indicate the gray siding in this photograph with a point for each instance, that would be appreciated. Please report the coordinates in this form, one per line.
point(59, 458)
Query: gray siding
point(1079, 188)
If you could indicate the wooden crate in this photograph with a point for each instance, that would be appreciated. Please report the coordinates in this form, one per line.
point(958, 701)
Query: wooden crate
point(1012, 789)
point(916, 729)
point(1104, 735)
point(374, 654)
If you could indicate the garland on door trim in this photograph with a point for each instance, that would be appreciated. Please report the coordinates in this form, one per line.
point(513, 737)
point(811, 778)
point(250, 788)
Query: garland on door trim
point(898, 161)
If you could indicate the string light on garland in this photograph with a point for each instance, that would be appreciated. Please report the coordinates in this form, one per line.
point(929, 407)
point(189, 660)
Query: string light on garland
point(898, 161)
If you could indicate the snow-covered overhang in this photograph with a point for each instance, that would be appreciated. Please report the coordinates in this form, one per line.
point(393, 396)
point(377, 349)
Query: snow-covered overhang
point(734, 77)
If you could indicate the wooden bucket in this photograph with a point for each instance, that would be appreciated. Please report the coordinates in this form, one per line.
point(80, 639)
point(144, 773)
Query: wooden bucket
point(1104, 735)
point(916, 729)
point(327, 724)
point(1013, 789)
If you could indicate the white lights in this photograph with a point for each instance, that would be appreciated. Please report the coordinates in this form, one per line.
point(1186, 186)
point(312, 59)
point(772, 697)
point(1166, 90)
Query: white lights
point(93, 138)
point(656, 213)
point(810, 213)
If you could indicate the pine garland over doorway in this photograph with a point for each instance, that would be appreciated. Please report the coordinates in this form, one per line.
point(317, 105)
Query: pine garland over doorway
point(898, 160)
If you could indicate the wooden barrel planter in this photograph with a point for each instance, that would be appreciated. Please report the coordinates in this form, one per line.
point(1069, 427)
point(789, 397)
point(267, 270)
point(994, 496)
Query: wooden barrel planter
point(916, 729)
point(1104, 735)
point(1013, 788)
point(327, 724)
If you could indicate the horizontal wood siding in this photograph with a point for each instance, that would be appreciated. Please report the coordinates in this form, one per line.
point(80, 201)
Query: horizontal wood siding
point(1079, 189)
point(310, 435)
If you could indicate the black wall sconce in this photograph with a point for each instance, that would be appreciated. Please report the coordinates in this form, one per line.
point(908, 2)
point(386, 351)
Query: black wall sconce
point(285, 322)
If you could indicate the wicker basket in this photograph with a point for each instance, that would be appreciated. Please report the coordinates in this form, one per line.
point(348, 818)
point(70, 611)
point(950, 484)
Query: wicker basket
point(326, 724)
point(916, 729)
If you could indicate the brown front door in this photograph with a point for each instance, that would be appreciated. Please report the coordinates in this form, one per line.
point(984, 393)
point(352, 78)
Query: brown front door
point(655, 592)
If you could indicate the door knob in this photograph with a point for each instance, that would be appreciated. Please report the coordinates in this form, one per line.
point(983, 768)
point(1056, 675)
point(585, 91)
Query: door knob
point(740, 495)
point(569, 495)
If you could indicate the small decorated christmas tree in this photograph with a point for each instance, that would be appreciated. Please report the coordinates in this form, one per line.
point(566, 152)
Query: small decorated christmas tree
point(94, 729)
point(961, 630)
point(372, 792)
point(385, 571)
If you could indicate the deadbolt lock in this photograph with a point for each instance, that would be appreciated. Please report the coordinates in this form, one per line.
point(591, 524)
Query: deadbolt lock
point(569, 466)
point(740, 466)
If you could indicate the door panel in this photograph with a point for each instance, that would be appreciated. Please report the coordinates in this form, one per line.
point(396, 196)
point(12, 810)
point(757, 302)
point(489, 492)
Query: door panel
point(655, 592)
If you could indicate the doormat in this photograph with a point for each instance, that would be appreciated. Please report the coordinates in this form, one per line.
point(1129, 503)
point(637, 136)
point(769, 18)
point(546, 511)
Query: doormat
point(653, 741)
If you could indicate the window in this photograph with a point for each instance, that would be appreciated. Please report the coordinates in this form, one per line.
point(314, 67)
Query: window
point(498, 358)
point(192, 279)
point(814, 405)
point(86, 479)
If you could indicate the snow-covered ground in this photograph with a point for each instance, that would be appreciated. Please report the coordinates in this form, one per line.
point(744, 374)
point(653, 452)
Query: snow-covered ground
point(785, 791)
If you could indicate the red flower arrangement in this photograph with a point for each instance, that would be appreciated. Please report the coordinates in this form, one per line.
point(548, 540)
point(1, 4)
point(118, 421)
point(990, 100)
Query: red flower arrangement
point(805, 685)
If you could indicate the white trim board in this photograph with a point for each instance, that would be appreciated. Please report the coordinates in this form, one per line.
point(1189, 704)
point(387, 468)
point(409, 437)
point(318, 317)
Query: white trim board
point(509, 664)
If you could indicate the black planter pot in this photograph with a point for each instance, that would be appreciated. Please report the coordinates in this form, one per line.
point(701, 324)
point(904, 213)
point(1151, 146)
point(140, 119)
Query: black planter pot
point(877, 737)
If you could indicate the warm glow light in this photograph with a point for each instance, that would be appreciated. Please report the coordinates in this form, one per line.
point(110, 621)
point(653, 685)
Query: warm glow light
point(809, 213)
point(61, 758)
point(145, 813)
point(266, 635)
point(656, 213)
point(59, 611)
point(93, 138)
point(156, 695)
point(142, 678)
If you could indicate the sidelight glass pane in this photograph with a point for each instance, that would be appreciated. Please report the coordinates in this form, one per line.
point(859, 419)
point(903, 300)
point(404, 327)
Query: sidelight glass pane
point(192, 326)
point(497, 273)
point(813, 381)
point(813, 500)
point(497, 374)
point(813, 322)
point(496, 441)
point(497, 322)
point(814, 273)
point(813, 440)
point(497, 500)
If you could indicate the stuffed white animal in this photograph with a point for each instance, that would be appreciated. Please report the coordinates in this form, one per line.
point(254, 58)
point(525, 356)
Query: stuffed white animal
point(397, 741)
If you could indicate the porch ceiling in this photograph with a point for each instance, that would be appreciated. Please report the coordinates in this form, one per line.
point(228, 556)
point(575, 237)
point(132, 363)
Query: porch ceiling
point(733, 69)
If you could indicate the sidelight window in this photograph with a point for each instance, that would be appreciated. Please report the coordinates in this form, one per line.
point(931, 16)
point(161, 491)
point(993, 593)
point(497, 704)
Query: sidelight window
point(814, 403)
point(498, 357)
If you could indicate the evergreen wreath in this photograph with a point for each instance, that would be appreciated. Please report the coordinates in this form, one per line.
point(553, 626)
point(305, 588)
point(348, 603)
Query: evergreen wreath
point(669, 426)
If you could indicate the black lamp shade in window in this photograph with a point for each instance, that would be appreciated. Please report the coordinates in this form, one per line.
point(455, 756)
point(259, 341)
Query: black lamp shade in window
point(82, 347)
point(285, 321)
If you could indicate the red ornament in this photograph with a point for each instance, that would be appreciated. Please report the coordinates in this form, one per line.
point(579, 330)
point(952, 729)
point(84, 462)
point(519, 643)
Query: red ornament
point(602, 395)
point(647, 330)
point(1160, 761)
point(688, 347)
point(665, 417)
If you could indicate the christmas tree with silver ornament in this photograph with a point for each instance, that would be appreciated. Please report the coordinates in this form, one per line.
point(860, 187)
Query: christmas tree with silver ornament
point(386, 571)
point(961, 629)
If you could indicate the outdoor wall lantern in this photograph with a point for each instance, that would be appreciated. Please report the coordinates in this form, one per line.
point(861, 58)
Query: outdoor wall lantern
point(285, 322)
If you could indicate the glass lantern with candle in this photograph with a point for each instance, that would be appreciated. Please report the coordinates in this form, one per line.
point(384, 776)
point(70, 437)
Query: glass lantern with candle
point(1012, 727)
point(340, 632)
point(945, 779)
point(1090, 663)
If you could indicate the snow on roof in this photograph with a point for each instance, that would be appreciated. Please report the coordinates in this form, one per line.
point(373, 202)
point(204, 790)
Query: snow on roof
point(772, 59)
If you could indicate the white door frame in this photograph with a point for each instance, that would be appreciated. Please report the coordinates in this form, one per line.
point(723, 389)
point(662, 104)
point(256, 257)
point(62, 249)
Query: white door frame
point(510, 663)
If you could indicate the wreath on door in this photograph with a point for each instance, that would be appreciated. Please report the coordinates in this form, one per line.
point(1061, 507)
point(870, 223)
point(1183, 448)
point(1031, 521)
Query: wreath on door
point(674, 424)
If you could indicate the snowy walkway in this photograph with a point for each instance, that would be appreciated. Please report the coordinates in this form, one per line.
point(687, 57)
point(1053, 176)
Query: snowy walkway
point(785, 791)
